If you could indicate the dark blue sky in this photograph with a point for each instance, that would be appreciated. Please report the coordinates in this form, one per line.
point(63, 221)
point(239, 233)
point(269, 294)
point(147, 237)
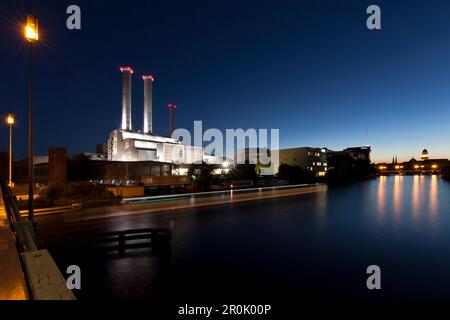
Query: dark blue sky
point(309, 68)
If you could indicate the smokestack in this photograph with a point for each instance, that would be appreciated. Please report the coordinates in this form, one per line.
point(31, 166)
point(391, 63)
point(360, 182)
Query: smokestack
point(172, 108)
point(148, 103)
point(126, 97)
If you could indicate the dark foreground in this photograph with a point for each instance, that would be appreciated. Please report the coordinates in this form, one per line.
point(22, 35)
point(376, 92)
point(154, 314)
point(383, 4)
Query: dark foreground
point(315, 246)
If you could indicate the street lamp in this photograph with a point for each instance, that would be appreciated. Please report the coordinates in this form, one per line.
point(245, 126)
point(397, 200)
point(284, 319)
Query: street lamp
point(31, 29)
point(10, 122)
point(32, 36)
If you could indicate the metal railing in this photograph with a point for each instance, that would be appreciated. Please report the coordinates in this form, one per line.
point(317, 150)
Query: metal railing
point(23, 228)
point(36, 264)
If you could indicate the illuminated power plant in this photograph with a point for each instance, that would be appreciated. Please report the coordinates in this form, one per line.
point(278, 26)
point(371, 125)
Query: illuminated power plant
point(126, 144)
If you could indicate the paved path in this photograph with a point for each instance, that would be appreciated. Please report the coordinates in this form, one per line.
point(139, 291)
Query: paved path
point(12, 284)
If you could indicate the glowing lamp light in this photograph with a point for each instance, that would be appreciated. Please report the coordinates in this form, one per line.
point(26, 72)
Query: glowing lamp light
point(10, 119)
point(122, 69)
point(416, 167)
point(31, 29)
point(148, 76)
point(434, 166)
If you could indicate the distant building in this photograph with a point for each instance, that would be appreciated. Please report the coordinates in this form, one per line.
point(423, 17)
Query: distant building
point(362, 153)
point(20, 169)
point(316, 159)
point(413, 166)
point(57, 167)
point(312, 159)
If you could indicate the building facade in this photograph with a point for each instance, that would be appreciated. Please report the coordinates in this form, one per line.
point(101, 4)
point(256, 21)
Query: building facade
point(126, 145)
point(312, 159)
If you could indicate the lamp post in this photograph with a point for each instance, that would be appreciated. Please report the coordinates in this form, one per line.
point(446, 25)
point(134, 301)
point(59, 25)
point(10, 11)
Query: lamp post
point(10, 122)
point(32, 36)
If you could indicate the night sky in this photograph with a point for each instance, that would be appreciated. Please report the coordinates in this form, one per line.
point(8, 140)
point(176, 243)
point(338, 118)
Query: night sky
point(310, 68)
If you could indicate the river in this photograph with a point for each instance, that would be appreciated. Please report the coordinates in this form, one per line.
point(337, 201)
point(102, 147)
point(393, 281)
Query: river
point(316, 245)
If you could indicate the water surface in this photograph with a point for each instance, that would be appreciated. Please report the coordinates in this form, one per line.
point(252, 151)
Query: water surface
point(316, 245)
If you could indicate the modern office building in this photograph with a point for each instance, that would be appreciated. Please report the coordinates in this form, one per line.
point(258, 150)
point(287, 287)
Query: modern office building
point(316, 159)
point(312, 159)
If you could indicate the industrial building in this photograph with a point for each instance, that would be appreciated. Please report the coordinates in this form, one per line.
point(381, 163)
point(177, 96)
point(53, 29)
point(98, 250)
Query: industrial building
point(126, 144)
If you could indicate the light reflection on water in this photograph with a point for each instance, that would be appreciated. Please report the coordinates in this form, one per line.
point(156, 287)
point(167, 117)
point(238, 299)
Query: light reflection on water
point(408, 198)
point(381, 198)
point(415, 197)
point(397, 198)
point(434, 195)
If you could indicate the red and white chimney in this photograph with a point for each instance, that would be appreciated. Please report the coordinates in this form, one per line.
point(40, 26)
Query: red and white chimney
point(148, 103)
point(172, 108)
